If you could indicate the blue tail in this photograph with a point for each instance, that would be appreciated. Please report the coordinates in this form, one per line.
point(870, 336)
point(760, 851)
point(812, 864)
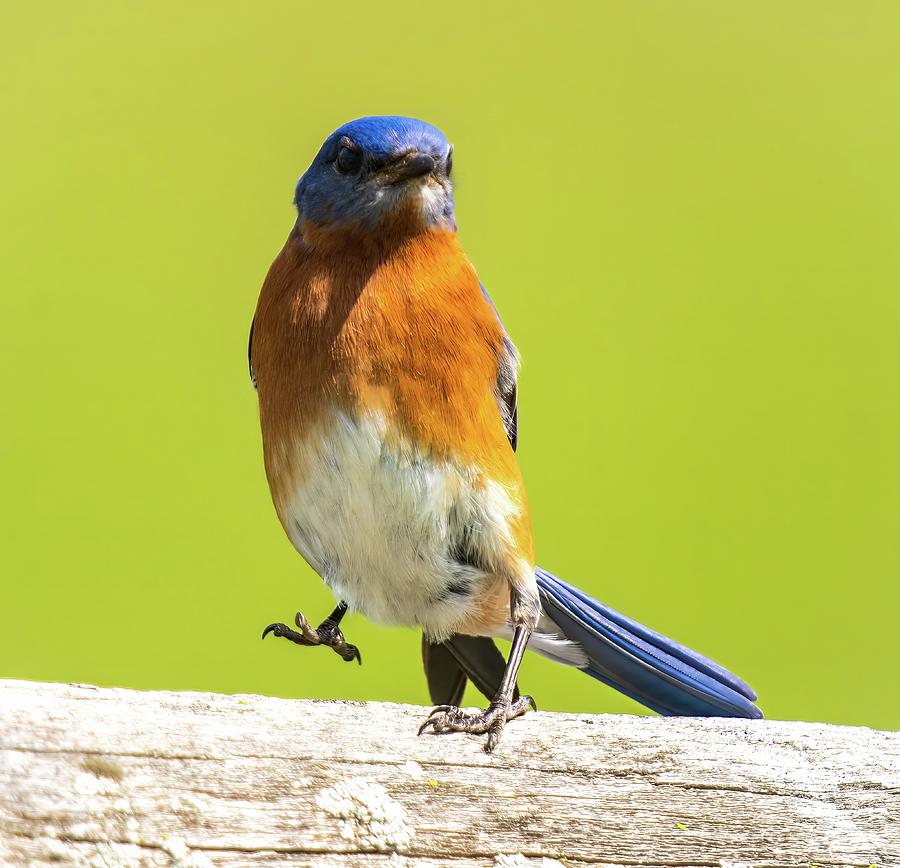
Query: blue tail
point(642, 664)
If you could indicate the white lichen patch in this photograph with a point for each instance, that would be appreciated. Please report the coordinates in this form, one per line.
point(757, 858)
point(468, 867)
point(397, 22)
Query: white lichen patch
point(175, 847)
point(55, 850)
point(132, 831)
point(92, 785)
point(89, 831)
point(187, 803)
point(414, 770)
point(370, 817)
point(101, 856)
point(181, 854)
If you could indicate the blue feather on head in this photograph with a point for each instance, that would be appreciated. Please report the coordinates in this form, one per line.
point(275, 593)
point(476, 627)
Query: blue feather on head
point(368, 168)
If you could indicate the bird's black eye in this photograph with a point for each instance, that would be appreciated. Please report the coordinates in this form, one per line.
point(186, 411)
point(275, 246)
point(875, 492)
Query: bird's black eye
point(448, 163)
point(348, 160)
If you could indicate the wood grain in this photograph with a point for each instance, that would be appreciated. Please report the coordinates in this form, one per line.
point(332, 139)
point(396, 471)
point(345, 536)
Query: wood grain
point(92, 776)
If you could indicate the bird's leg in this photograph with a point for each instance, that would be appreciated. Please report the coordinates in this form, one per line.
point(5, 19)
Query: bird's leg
point(503, 707)
point(327, 633)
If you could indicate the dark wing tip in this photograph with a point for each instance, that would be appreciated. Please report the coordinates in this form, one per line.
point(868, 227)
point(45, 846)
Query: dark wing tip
point(250, 353)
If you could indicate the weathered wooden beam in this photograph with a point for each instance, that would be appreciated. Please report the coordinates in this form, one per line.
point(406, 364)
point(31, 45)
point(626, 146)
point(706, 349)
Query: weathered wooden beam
point(120, 777)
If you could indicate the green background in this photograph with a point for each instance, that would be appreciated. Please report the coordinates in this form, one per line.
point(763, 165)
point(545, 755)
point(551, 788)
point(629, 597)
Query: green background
point(688, 214)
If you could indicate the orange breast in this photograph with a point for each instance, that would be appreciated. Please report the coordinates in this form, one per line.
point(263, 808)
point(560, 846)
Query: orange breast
point(398, 328)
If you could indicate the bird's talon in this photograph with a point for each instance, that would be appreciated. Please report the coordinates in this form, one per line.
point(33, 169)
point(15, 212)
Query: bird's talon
point(449, 718)
point(347, 651)
point(277, 629)
point(438, 718)
point(328, 633)
point(493, 738)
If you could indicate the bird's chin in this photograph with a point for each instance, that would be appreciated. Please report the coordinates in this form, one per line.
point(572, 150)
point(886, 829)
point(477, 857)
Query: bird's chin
point(421, 200)
point(432, 198)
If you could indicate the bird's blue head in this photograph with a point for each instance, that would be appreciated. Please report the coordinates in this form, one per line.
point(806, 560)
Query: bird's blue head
point(376, 167)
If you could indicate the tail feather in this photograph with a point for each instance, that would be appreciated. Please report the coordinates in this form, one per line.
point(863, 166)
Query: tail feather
point(641, 663)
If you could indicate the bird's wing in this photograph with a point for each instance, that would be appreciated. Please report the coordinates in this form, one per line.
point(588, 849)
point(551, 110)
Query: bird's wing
point(250, 353)
point(448, 665)
point(507, 381)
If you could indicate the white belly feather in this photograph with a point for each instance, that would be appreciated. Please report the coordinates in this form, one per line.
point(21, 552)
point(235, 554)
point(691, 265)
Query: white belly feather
point(386, 526)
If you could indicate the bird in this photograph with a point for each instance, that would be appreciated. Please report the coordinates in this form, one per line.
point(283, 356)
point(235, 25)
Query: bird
point(387, 386)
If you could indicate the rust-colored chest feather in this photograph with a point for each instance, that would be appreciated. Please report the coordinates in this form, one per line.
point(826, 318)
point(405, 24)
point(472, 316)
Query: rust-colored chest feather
point(404, 331)
point(377, 368)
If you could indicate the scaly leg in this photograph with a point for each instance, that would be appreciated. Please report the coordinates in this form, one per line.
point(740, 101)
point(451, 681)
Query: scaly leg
point(328, 633)
point(449, 718)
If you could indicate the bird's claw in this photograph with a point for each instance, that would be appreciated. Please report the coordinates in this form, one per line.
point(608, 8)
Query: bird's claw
point(328, 633)
point(450, 718)
point(306, 636)
point(342, 647)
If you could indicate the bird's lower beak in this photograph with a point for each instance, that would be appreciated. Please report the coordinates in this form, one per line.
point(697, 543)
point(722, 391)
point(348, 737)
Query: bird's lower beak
point(414, 165)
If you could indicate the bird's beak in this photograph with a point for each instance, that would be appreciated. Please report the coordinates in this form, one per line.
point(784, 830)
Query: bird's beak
point(412, 165)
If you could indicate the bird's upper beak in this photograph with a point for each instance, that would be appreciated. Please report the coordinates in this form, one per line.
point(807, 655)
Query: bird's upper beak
point(412, 165)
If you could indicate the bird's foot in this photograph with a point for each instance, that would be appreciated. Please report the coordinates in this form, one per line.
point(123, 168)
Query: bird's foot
point(327, 633)
point(449, 718)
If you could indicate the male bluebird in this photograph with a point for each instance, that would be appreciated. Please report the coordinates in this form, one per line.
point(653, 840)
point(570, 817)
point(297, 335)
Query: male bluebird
point(387, 398)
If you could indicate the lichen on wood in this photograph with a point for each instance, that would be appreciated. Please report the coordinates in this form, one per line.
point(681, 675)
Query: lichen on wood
point(92, 776)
